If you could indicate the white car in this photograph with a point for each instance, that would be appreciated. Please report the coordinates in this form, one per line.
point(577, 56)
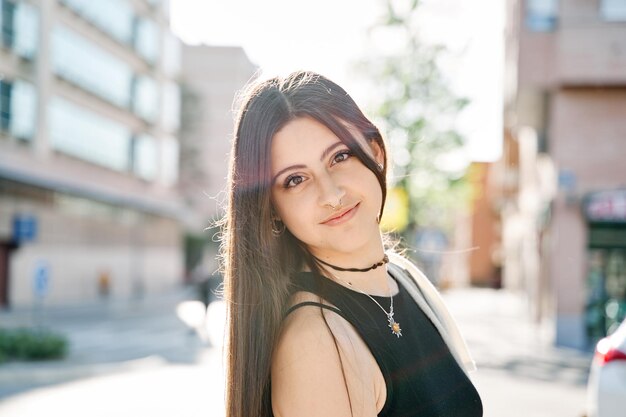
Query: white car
point(606, 389)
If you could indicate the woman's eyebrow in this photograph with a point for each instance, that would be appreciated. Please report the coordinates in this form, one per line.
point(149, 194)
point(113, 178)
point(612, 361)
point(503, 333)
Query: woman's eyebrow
point(286, 169)
point(324, 155)
point(329, 150)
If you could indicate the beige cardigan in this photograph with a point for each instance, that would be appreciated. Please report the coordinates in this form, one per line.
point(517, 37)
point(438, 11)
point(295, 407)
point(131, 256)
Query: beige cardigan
point(430, 301)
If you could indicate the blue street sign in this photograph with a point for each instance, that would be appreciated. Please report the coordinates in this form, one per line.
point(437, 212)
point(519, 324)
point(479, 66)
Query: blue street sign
point(567, 180)
point(24, 228)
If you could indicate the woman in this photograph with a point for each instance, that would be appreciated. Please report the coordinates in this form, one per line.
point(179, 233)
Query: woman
point(320, 323)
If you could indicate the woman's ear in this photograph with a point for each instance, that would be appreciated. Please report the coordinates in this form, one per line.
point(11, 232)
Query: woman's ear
point(274, 214)
point(377, 151)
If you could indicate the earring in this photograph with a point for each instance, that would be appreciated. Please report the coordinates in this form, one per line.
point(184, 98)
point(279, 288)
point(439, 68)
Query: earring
point(277, 229)
point(380, 167)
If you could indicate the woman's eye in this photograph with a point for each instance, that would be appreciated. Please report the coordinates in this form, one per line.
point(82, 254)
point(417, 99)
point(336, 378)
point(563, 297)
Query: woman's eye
point(342, 156)
point(293, 180)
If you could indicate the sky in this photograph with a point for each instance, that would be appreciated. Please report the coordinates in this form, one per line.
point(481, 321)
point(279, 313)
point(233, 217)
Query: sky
point(329, 36)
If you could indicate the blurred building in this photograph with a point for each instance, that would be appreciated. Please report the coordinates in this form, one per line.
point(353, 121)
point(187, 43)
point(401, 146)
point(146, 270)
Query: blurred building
point(564, 176)
point(211, 78)
point(89, 117)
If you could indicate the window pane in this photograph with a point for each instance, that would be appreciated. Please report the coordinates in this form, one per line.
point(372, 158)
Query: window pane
point(7, 10)
point(89, 136)
point(24, 105)
point(145, 157)
point(147, 39)
point(87, 65)
point(541, 15)
point(112, 16)
point(145, 98)
point(171, 54)
point(26, 24)
point(5, 104)
point(613, 10)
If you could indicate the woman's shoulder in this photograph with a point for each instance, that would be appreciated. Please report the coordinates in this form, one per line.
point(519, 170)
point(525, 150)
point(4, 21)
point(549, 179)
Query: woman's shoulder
point(315, 358)
point(307, 320)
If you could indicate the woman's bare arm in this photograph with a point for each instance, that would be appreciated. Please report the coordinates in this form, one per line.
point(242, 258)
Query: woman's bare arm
point(308, 377)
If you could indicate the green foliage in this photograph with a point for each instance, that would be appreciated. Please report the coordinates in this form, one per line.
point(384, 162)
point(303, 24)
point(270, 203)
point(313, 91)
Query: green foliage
point(416, 109)
point(31, 344)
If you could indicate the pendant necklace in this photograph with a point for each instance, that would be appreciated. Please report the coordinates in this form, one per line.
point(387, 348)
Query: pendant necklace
point(393, 325)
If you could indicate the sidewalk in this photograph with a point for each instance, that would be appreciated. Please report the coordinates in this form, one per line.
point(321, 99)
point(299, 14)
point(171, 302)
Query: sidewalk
point(106, 336)
point(497, 328)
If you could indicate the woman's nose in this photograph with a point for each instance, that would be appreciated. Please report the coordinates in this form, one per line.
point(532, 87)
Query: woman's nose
point(331, 193)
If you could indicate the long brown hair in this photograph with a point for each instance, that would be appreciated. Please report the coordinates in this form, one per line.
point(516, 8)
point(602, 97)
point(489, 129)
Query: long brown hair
point(258, 265)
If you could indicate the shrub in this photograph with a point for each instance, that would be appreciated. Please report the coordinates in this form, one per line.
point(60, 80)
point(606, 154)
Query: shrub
point(31, 344)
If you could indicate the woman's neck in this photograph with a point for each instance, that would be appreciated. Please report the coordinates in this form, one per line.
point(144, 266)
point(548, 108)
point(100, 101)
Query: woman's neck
point(374, 281)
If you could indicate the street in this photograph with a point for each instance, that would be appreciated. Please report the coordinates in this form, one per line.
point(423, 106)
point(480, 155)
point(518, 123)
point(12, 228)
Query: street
point(145, 361)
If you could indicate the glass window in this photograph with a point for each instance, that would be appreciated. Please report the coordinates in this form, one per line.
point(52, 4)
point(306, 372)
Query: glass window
point(613, 10)
point(171, 54)
point(145, 98)
point(147, 39)
point(24, 105)
point(19, 27)
point(26, 23)
point(145, 157)
point(5, 104)
point(541, 15)
point(87, 65)
point(88, 136)
point(114, 17)
point(606, 283)
point(19, 23)
point(8, 23)
point(169, 161)
point(171, 106)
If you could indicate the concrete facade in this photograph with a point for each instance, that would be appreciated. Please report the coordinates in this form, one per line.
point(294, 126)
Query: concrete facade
point(100, 231)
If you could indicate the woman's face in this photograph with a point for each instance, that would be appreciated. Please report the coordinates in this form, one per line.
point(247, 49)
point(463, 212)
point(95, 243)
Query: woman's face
point(312, 171)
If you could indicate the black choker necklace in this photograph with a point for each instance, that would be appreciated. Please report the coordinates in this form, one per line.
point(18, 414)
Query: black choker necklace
point(338, 268)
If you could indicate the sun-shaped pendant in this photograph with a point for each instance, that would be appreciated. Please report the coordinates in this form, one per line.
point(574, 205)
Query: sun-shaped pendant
point(395, 327)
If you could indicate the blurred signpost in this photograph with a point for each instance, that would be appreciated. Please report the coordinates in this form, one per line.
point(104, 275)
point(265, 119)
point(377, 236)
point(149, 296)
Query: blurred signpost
point(25, 230)
point(41, 279)
point(41, 285)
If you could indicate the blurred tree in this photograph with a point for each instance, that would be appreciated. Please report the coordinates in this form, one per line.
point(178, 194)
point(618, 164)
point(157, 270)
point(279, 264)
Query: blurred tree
point(416, 109)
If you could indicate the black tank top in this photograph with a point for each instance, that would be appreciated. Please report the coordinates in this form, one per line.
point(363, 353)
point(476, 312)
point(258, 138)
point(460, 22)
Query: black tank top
point(421, 375)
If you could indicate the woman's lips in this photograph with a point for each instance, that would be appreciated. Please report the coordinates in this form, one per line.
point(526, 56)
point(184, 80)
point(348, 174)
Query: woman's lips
point(342, 218)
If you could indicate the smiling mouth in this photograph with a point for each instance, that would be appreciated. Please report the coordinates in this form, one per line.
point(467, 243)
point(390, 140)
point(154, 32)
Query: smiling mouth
point(341, 216)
